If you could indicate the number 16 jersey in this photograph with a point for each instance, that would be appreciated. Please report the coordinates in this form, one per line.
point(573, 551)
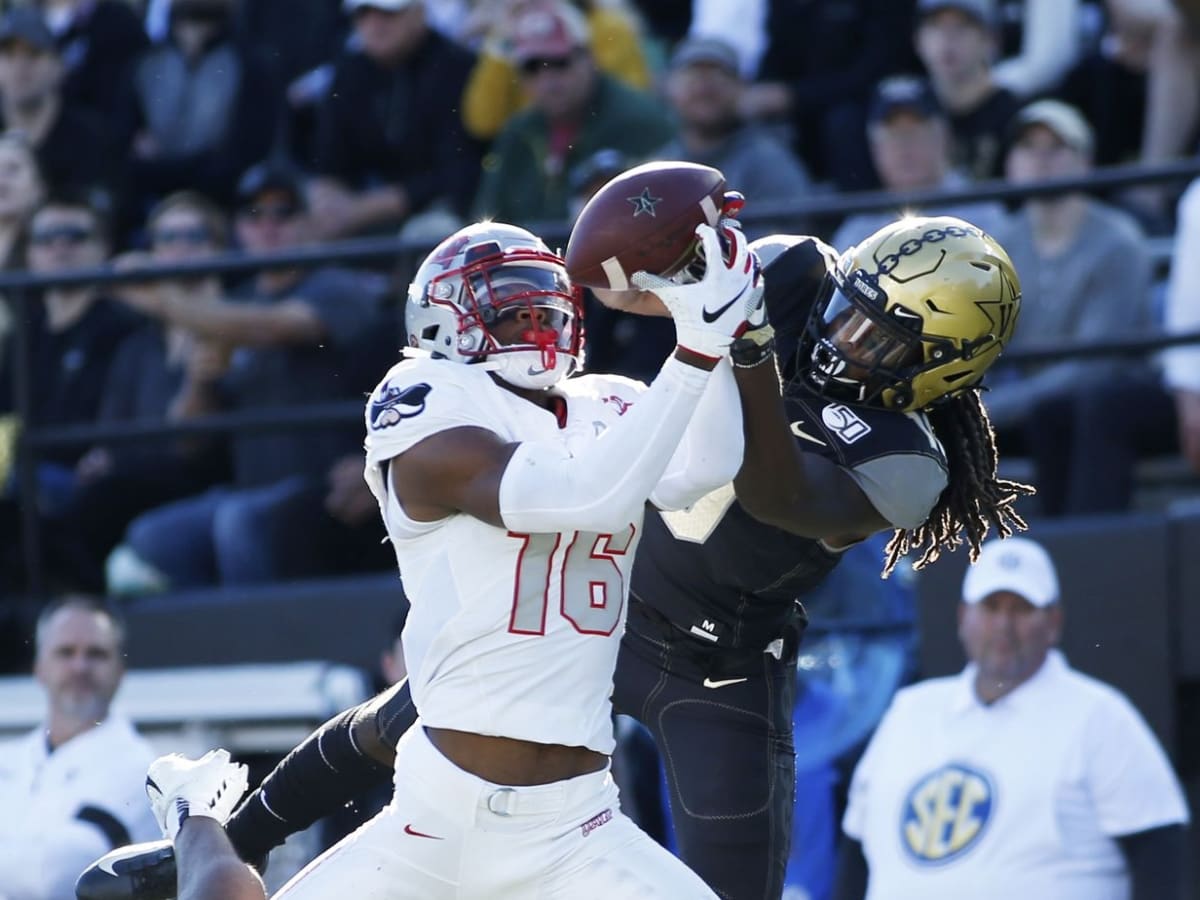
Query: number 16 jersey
point(509, 634)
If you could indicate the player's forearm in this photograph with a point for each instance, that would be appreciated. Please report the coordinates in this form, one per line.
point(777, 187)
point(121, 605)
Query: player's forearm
point(208, 869)
point(606, 483)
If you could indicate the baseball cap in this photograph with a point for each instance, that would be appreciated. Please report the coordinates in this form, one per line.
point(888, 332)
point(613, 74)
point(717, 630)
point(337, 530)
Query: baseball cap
point(1013, 564)
point(705, 50)
point(1064, 120)
point(271, 176)
point(982, 11)
point(23, 23)
point(389, 5)
point(548, 30)
point(906, 92)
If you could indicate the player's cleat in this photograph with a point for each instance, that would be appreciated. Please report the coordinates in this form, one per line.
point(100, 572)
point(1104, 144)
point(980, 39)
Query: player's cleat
point(179, 787)
point(134, 872)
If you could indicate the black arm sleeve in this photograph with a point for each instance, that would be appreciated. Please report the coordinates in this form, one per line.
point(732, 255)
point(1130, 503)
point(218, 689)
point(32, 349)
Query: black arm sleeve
point(329, 769)
point(1156, 860)
point(851, 882)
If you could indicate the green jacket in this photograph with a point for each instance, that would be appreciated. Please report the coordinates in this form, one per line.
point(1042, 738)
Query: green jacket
point(518, 188)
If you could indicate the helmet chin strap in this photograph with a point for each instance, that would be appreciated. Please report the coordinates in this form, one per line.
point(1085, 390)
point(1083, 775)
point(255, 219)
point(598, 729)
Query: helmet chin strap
point(528, 369)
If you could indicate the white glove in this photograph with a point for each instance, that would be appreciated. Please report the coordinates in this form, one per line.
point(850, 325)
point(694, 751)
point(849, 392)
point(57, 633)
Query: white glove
point(727, 300)
point(179, 787)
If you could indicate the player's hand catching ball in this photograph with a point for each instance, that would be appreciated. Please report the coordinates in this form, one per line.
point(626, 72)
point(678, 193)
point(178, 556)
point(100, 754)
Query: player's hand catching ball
point(723, 304)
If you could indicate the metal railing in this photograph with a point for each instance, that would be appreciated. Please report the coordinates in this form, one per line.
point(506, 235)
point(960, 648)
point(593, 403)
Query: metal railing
point(21, 287)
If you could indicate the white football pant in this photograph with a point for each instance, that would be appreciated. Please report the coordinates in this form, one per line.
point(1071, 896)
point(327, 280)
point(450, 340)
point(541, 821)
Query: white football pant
point(449, 834)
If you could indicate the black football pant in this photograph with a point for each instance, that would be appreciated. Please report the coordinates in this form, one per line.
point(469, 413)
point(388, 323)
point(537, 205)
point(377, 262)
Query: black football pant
point(727, 748)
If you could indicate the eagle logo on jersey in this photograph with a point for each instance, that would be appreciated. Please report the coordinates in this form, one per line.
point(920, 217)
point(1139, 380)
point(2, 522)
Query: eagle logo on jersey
point(395, 404)
point(946, 813)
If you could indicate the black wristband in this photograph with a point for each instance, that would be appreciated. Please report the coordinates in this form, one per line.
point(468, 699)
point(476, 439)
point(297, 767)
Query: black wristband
point(746, 353)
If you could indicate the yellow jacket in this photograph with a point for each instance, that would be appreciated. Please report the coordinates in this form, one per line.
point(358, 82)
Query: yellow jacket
point(494, 91)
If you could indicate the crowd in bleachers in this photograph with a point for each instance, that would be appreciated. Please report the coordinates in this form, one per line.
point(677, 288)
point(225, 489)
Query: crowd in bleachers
point(160, 131)
point(174, 129)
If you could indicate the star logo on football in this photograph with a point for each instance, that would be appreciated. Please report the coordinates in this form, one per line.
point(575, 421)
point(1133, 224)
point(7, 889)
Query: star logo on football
point(645, 202)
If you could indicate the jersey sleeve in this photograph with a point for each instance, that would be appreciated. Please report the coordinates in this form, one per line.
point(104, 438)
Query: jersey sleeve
point(1131, 780)
point(903, 487)
point(417, 399)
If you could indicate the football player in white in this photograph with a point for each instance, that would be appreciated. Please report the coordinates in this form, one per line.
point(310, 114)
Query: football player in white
point(514, 497)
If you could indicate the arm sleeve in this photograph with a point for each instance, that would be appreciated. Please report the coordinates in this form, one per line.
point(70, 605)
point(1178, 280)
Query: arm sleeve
point(710, 452)
point(1049, 46)
point(1182, 313)
point(851, 880)
point(546, 489)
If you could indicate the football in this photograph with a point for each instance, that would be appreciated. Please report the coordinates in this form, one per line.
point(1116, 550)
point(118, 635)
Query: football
point(644, 219)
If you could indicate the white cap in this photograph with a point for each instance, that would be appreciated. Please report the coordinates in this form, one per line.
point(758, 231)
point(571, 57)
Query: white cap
point(1013, 564)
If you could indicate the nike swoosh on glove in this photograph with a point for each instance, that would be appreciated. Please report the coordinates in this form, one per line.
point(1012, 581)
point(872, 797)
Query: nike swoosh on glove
point(179, 787)
point(711, 312)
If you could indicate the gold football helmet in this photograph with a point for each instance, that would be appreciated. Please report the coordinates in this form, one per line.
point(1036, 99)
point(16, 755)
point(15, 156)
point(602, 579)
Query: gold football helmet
point(914, 314)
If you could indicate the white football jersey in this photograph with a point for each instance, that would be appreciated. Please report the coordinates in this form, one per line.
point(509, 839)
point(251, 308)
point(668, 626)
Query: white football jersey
point(1022, 798)
point(508, 634)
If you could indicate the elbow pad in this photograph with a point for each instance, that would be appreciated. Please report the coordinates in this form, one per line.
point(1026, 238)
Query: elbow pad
point(604, 487)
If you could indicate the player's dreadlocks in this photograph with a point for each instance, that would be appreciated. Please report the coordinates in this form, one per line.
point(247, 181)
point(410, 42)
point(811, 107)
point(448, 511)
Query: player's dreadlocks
point(974, 500)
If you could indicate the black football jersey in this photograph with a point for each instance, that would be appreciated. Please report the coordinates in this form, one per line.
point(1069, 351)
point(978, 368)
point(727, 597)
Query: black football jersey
point(731, 580)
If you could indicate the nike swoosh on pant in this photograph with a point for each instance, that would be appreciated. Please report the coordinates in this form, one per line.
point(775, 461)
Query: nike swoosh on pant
point(408, 829)
point(709, 683)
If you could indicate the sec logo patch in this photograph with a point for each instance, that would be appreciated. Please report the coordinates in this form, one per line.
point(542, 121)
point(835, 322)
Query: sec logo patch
point(946, 813)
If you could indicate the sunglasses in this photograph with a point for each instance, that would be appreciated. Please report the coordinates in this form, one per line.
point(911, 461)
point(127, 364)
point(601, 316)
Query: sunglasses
point(70, 234)
point(194, 235)
point(537, 64)
point(274, 213)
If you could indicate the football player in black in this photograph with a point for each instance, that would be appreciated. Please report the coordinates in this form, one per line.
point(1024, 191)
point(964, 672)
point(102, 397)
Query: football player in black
point(879, 425)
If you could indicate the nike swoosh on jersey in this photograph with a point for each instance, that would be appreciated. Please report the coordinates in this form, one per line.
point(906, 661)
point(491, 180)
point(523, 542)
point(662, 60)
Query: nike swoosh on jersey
point(408, 829)
point(711, 317)
point(801, 433)
point(709, 683)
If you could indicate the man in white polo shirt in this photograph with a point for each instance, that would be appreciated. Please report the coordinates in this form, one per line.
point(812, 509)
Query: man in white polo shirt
point(1020, 777)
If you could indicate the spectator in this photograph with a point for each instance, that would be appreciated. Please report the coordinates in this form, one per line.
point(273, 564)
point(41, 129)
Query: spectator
point(200, 107)
point(1182, 364)
point(74, 332)
point(575, 111)
point(816, 75)
point(390, 139)
point(97, 40)
point(495, 92)
point(293, 338)
point(1040, 41)
point(117, 482)
point(1085, 270)
point(1018, 778)
point(956, 41)
point(909, 138)
point(705, 89)
point(32, 102)
point(75, 786)
point(22, 190)
point(741, 25)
